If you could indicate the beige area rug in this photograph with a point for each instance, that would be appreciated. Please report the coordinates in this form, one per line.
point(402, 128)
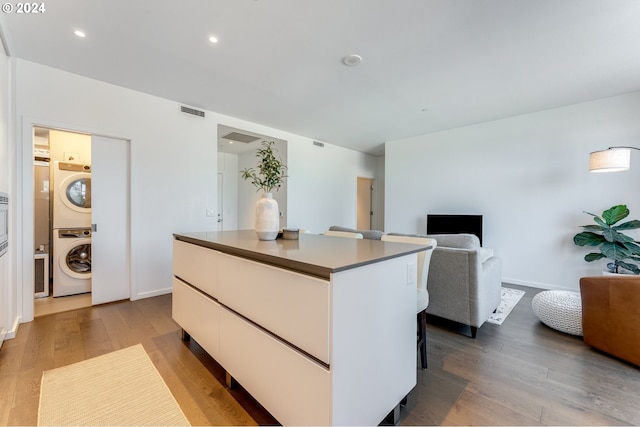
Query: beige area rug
point(121, 388)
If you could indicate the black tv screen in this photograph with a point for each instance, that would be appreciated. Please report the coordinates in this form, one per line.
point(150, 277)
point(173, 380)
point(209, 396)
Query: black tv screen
point(454, 224)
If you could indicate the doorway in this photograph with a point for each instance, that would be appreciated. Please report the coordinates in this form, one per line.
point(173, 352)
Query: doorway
point(236, 197)
point(62, 220)
point(364, 209)
point(70, 197)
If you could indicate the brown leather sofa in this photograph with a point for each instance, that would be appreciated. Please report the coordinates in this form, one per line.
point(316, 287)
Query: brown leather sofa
point(611, 315)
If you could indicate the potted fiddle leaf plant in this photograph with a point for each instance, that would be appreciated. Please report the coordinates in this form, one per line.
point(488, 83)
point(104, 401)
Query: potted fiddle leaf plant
point(268, 175)
point(606, 233)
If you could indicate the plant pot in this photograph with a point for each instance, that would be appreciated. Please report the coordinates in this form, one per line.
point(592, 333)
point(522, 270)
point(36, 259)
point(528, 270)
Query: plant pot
point(267, 217)
point(608, 273)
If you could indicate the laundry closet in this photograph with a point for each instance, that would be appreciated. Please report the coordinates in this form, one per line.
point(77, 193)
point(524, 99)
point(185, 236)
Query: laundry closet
point(62, 216)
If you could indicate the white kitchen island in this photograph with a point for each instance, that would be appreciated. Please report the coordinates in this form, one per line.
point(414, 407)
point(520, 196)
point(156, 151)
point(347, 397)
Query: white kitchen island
point(320, 330)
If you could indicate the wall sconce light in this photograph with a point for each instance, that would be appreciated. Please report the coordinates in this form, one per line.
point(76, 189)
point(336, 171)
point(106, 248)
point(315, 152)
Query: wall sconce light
point(613, 159)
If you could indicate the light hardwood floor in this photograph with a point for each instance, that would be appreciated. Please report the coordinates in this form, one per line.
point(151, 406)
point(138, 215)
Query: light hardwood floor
point(51, 305)
point(519, 373)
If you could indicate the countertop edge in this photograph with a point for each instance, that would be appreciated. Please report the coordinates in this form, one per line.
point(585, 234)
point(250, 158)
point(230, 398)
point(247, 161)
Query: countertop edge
point(297, 266)
point(286, 263)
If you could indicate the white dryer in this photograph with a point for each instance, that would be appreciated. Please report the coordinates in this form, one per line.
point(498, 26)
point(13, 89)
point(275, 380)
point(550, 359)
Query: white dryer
point(72, 198)
point(72, 262)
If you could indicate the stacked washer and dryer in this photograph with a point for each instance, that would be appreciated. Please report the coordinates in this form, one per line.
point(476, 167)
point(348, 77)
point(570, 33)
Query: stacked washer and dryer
point(71, 228)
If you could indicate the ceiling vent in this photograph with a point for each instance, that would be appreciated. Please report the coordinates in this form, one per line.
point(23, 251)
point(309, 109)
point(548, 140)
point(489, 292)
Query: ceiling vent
point(240, 137)
point(318, 144)
point(192, 111)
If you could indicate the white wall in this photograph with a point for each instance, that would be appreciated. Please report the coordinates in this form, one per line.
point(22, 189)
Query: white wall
point(173, 169)
point(66, 145)
point(528, 175)
point(4, 121)
point(173, 162)
point(6, 309)
point(322, 187)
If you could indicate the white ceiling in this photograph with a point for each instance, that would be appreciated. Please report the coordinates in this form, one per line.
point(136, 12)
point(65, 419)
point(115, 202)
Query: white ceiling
point(428, 65)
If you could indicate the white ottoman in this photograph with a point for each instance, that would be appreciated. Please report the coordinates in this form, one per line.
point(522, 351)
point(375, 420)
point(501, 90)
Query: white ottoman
point(561, 310)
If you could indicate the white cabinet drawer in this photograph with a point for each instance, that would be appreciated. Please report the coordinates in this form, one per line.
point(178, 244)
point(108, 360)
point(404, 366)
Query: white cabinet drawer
point(197, 314)
point(290, 305)
point(197, 266)
point(295, 389)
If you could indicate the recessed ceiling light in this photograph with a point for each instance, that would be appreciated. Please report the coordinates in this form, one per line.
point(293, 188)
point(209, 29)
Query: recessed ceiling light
point(213, 39)
point(352, 60)
point(79, 33)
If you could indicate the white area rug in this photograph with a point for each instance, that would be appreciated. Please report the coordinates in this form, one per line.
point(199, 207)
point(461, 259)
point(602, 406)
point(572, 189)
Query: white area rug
point(121, 388)
point(510, 298)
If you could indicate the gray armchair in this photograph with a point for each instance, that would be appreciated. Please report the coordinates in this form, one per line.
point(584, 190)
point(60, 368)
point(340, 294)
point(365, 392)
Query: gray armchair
point(464, 280)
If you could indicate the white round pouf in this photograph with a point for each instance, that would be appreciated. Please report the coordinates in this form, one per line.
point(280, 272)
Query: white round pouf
point(561, 310)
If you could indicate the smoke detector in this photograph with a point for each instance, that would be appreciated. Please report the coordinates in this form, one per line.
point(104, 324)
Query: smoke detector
point(352, 60)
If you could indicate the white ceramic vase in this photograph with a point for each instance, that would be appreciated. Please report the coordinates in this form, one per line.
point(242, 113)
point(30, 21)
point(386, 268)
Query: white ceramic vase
point(267, 217)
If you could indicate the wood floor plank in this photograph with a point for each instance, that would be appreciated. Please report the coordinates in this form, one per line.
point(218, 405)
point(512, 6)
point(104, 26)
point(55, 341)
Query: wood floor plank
point(24, 413)
point(6, 404)
point(10, 361)
point(493, 410)
point(580, 394)
point(134, 318)
point(95, 338)
point(440, 389)
point(139, 328)
point(559, 414)
point(118, 330)
point(67, 346)
point(27, 394)
point(38, 350)
point(493, 363)
point(495, 372)
point(605, 371)
point(459, 415)
point(156, 316)
point(612, 407)
point(514, 396)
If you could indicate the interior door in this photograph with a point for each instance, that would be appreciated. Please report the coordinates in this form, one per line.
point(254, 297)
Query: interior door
point(364, 203)
point(110, 253)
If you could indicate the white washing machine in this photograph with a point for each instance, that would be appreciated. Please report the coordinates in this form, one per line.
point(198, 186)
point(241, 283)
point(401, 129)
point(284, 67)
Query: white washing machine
point(72, 198)
point(72, 261)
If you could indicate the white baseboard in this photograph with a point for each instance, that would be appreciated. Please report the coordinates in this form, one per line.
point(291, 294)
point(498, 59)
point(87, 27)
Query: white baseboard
point(11, 333)
point(151, 294)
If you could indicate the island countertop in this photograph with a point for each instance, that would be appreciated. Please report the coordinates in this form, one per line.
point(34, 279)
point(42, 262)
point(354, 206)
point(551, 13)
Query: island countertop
point(312, 254)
